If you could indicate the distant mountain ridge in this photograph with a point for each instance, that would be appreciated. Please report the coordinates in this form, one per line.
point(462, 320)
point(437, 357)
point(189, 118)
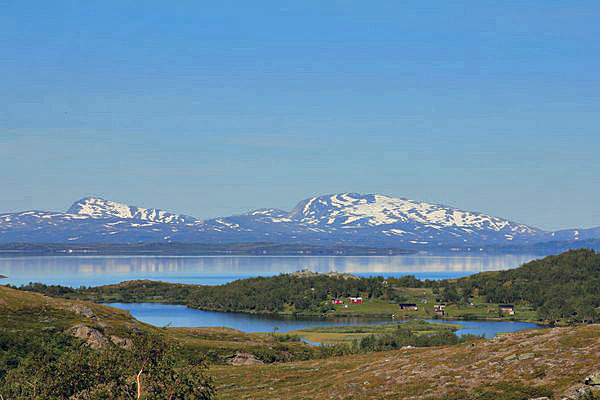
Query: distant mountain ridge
point(95, 207)
point(344, 218)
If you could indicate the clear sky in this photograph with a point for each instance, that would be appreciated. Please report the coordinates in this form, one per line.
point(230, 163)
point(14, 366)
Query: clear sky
point(216, 108)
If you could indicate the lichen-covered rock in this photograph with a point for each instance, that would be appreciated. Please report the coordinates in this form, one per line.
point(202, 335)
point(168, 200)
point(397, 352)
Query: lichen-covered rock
point(576, 392)
point(92, 336)
point(240, 358)
point(593, 379)
point(81, 309)
point(125, 343)
point(526, 356)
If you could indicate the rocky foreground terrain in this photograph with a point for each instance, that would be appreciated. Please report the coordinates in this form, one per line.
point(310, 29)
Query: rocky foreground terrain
point(552, 363)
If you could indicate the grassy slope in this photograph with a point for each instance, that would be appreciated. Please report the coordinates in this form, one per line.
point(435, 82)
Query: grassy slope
point(30, 313)
point(552, 359)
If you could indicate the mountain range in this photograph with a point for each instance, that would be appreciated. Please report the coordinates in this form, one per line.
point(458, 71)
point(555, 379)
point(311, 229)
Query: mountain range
point(334, 219)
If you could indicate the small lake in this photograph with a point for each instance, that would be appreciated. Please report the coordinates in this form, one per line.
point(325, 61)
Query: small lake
point(76, 271)
point(182, 316)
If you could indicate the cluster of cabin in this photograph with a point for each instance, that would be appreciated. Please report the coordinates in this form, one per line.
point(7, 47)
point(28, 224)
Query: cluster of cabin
point(438, 309)
point(508, 309)
point(352, 300)
point(408, 306)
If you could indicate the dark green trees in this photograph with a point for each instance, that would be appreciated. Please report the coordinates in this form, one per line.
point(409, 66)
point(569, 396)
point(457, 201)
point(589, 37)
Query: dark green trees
point(564, 287)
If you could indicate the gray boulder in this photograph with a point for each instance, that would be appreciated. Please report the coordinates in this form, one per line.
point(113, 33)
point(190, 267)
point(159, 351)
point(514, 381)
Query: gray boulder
point(81, 309)
point(593, 379)
point(92, 336)
point(240, 358)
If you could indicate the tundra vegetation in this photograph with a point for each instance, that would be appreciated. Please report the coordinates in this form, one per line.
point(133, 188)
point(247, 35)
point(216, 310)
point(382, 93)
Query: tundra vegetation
point(551, 362)
point(53, 348)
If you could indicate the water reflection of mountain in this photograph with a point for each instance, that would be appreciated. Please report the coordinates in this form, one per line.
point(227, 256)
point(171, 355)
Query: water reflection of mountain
point(153, 267)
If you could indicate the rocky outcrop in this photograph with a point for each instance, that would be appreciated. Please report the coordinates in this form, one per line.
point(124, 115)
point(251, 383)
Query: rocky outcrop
point(593, 379)
point(83, 310)
point(586, 390)
point(92, 336)
point(240, 358)
point(96, 339)
point(579, 392)
point(125, 343)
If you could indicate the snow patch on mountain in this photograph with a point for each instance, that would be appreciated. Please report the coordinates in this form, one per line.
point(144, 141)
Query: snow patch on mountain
point(95, 207)
point(353, 209)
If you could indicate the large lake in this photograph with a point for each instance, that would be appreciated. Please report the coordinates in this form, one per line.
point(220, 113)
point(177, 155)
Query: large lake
point(76, 271)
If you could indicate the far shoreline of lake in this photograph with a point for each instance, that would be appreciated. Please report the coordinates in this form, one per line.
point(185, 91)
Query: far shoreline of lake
point(76, 271)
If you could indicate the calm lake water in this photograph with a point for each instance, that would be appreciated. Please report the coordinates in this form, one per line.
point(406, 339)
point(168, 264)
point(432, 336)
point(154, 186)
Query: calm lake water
point(76, 271)
point(181, 316)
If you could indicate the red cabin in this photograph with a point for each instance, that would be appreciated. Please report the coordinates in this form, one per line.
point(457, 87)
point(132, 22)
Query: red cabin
point(356, 300)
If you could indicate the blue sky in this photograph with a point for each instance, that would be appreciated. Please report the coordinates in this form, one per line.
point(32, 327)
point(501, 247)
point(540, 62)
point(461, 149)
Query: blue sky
point(216, 108)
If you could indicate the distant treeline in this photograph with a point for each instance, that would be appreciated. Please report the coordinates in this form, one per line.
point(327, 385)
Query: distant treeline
point(283, 293)
point(264, 248)
point(551, 247)
point(270, 248)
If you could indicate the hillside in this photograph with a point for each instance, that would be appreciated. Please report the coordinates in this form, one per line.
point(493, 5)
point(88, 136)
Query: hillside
point(335, 219)
point(56, 349)
point(562, 287)
point(549, 362)
point(53, 348)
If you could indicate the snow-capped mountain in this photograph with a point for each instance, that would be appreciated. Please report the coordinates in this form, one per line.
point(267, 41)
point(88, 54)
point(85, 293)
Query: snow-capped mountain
point(95, 207)
point(356, 210)
point(346, 218)
point(408, 220)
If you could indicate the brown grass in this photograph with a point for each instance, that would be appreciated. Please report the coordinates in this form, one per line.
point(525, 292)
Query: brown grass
point(552, 359)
